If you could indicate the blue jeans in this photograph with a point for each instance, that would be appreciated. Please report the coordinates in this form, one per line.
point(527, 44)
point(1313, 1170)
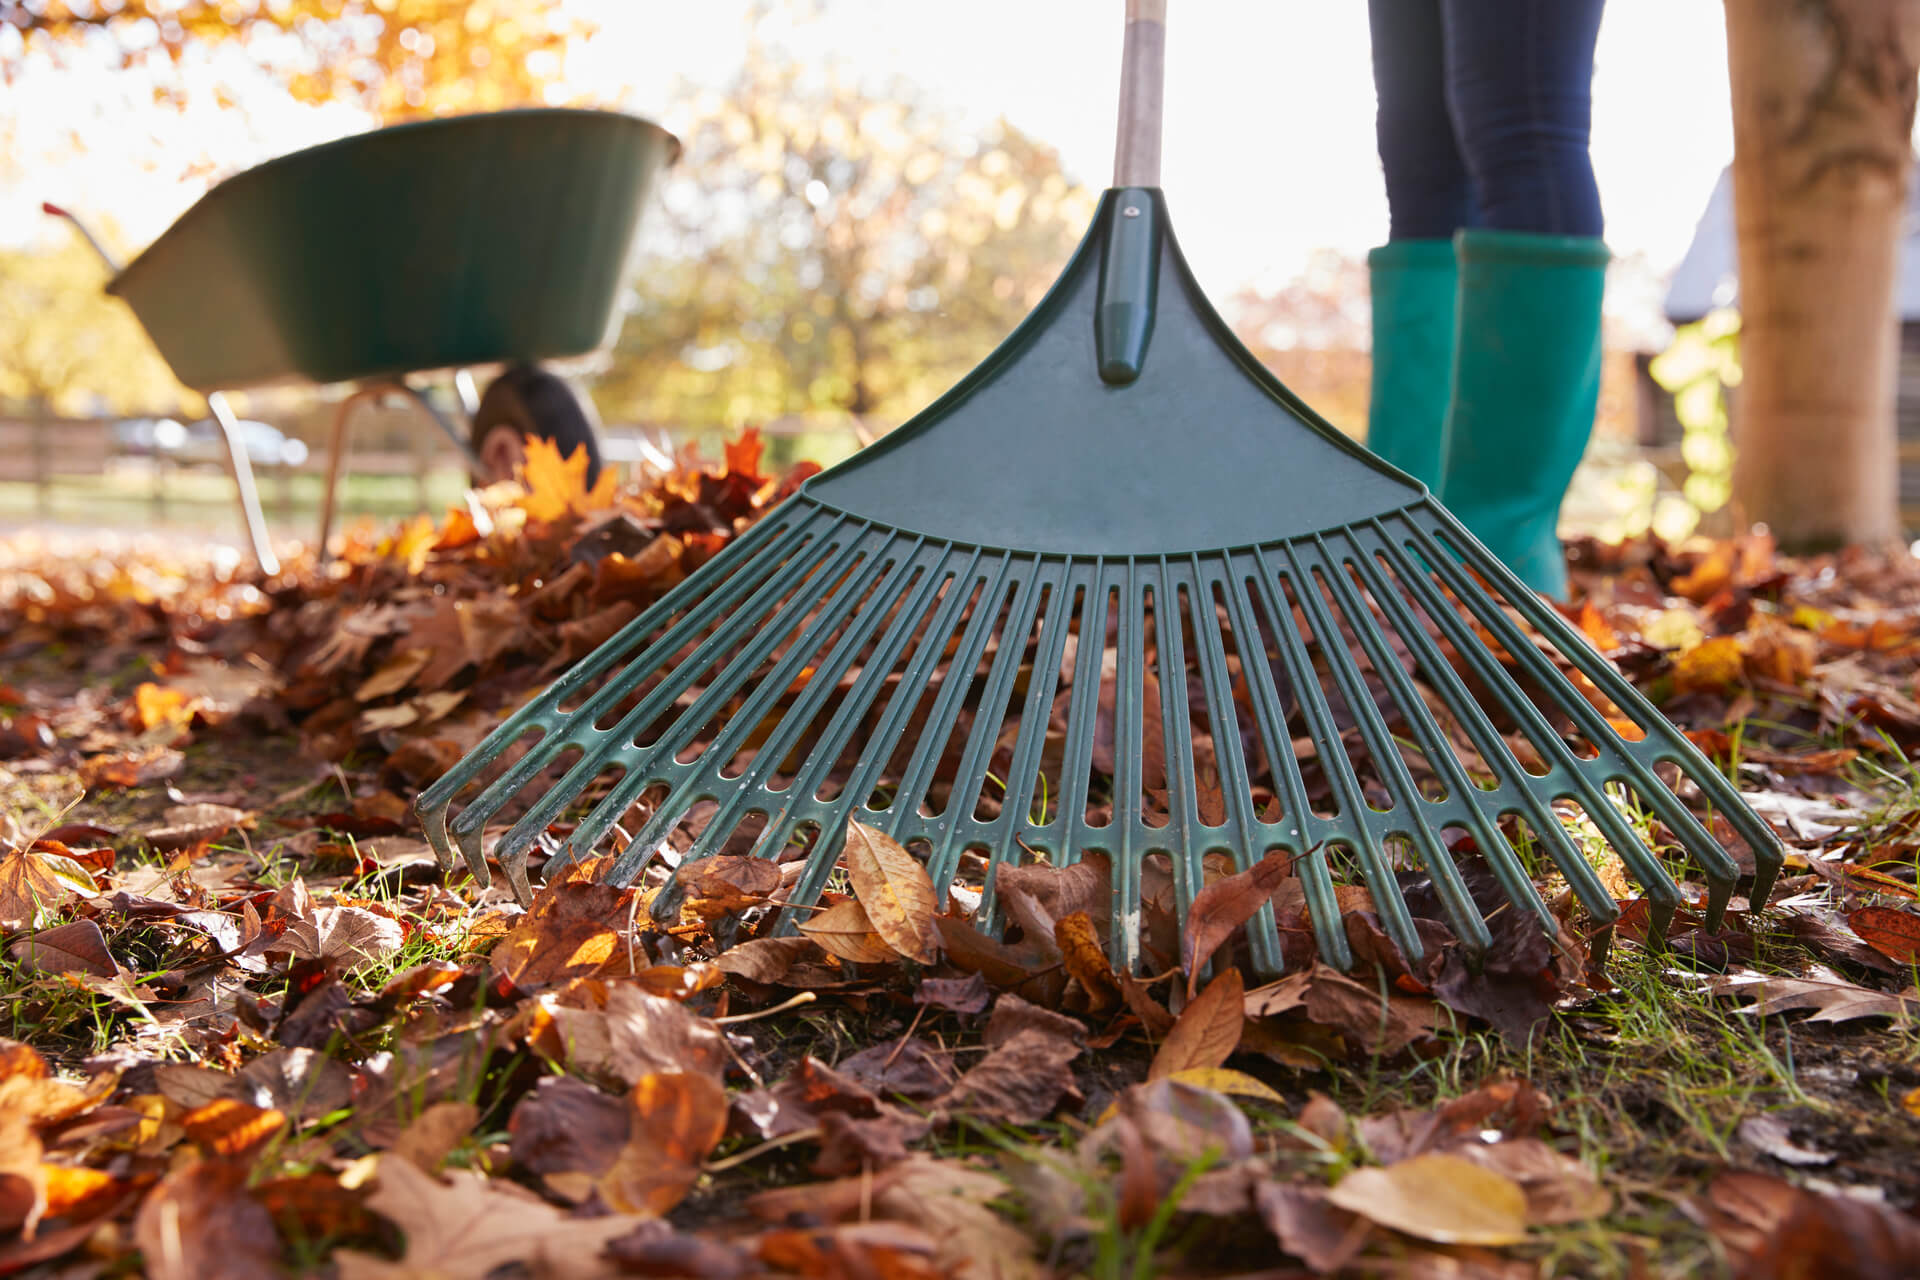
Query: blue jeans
point(1485, 111)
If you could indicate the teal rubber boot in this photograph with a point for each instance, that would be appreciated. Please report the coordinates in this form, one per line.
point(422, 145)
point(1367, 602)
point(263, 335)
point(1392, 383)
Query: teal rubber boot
point(1526, 381)
point(1413, 285)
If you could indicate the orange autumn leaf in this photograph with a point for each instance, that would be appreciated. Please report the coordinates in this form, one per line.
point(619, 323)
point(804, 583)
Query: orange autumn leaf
point(459, 530)
point(155, 705)
point(743, 455)
point(678, 1118)
point(229, 1127)
point(1890, 931)
point(557, 487)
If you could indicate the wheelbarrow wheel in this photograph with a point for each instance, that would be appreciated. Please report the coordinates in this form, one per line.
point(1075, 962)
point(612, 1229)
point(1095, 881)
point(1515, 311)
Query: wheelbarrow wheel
point(526, 400)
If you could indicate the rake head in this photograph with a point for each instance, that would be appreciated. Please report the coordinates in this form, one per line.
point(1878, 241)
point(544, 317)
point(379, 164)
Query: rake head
point(1154, 615)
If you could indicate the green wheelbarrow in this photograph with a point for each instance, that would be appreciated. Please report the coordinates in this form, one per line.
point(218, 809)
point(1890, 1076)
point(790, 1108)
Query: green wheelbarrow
point(487, 239)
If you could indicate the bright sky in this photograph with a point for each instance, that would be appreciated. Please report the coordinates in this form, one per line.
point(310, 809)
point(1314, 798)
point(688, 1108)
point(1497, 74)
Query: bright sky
point(1269, 115)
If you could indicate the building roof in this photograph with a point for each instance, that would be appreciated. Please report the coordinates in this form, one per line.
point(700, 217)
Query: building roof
point(1709, 275)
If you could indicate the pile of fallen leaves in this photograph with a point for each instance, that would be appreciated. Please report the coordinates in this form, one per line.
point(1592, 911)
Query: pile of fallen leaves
point(265, 1033)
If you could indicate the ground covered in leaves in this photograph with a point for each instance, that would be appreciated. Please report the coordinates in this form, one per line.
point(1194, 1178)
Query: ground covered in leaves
point(252, 1028)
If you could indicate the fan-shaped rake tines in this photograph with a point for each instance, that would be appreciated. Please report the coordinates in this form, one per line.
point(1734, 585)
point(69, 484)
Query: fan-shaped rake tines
point(1347, 696)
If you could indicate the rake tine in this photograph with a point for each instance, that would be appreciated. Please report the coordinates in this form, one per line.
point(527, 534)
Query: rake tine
point(468, 826)
point(1336, 765)
point(431, 805)
point(893, 722)
point(1573, 782)
point(1718, 865)
point(1083, 706)
point(1236, 779)
point(874, 604)
point(780, 743)
point(951, 698)
point(1674, 747)
point(847, 594)
point(1129, 760)
point(1407, 817)
point(1462, 911)
point(944, 860)
point(833, 738)
point(1183, 793)
point(1031, 740)
point(1315, 878)
point(1493, 749)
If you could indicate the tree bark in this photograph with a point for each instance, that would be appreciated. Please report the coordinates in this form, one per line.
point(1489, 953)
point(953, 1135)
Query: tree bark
point(1823, 109)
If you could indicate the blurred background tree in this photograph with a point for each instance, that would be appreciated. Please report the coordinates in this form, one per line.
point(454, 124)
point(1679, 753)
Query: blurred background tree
point(68, 348)
point(828, 250)
point(394, 58)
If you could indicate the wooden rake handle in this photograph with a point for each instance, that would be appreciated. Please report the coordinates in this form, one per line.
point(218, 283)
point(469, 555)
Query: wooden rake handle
point(1136, 154)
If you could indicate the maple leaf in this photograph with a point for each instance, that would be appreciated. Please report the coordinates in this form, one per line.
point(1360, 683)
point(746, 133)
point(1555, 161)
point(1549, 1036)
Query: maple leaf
point(557, 487)
point(470, 1227)
point(341, 936)
point(1835, 999)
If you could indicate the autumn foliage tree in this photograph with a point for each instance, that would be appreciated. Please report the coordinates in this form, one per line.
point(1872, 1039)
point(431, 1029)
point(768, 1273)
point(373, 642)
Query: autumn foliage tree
point(825, 249)
point(394, 58)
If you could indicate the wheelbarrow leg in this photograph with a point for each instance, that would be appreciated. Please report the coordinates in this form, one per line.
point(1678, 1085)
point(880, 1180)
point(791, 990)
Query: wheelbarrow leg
point(250, 512)
point(336, 457)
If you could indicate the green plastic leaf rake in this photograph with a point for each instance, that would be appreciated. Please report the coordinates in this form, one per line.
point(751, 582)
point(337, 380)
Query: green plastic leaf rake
point(1118, 537)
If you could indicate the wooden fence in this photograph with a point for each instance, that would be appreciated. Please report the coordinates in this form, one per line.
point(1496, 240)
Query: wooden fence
point(48, 450)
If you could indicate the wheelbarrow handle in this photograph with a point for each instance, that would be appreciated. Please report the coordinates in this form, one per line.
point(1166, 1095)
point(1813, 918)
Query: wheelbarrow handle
point(1136, 154)
point(113, 263)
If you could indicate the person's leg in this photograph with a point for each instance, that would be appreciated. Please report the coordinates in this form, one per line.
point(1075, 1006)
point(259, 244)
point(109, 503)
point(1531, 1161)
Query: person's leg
point(1526, 373)
point(1429, 197)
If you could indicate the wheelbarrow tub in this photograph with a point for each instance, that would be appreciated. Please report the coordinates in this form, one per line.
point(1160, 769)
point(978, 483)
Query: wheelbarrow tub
point(460, 241)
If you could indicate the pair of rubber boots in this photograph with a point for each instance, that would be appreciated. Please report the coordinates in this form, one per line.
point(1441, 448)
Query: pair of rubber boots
point(1486, 374)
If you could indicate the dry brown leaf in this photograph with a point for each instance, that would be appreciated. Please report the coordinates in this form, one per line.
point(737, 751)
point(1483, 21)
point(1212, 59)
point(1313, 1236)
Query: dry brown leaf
point(186, 825)
point(1020, 1082)
point(677, 1119)
point(571, 931)
point(1374, 1022)
point(1224, 906)
point(1833, 999)
point(393, 675)
point(23, 1179)
point(569, 1133)
point(200, 1224)
point(648, 1034)
point(1774, 1230)
point(470, 1226)
point(843, 930)
point(1559, 1189)
point(767, 959)
point(28, 886)
point(1207, 1031)
point(433, 1135)
point(75, 947)
point(342, 937)
point(1442, 1198)
point(895, 890)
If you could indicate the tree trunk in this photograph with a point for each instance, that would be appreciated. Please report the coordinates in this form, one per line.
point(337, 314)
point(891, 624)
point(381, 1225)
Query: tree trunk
point(1823, 107)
